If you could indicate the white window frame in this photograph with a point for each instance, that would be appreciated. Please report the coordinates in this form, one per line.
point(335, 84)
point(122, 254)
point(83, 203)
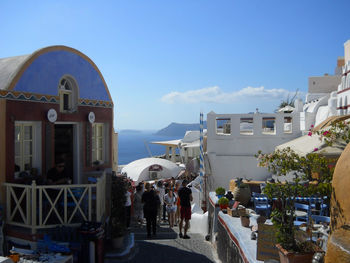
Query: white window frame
point(35, 144)
point(98, 149)
point(69, 88)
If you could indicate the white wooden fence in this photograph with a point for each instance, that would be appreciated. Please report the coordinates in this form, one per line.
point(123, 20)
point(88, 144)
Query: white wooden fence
point(46, 206)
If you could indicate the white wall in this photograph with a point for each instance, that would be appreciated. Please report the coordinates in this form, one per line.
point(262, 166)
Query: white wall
point(324, 84)
point(232, 155)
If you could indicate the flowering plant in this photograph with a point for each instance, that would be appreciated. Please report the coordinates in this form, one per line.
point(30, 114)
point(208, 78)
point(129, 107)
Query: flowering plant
point(283, 162)
point(338, 131)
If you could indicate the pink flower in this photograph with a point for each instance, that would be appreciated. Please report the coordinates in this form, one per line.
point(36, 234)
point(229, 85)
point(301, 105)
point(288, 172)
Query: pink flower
point(325, 133)
point(312, 126)
point(316, 149)
point(310, 133)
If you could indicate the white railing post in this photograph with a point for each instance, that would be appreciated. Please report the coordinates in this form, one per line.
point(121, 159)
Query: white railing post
point(98, 199)
point(33, 206)
point(40, 207)
point(28, 197)
point(65, 205)
point(8, 203)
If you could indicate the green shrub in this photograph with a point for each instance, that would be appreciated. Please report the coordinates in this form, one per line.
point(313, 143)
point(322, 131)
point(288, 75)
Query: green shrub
point(223, 201)
point(220, 191)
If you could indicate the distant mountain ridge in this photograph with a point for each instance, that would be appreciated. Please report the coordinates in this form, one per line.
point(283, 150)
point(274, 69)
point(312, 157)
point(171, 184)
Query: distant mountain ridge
point(179, 129)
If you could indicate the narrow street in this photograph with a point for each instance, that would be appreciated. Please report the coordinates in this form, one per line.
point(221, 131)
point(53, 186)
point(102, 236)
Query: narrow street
point(168, 247)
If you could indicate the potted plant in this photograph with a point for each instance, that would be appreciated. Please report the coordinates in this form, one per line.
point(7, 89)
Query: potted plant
point(241, 192)
point(118, 216)
point(293, 247)
point(220, 191)
point(223, 203)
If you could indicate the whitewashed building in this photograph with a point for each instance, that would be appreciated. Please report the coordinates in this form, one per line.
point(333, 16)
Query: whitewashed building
point(234, 139)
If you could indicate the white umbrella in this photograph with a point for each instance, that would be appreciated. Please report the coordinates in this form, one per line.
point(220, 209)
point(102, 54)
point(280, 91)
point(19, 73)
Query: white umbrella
point(287, 108)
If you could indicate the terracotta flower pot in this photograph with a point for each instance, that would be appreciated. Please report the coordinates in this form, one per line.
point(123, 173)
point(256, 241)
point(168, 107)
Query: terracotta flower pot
point(292, 257)
point(245, 221)
point(242, 194)
point(223, 206)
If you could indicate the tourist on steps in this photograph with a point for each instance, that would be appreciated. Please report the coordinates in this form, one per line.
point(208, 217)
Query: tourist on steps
point(150, 202)
point(185, 195)
point(170, 202)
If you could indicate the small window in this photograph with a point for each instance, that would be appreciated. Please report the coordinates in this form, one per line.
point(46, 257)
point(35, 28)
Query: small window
point(268, 125)
point(68, 93)
point(287, 126)
point(223, 126)
point(98, 142)
point(246, 126)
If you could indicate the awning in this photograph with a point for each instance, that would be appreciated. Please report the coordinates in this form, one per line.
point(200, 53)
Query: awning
point(287, 108)
point(307, 144)
point(172, 143)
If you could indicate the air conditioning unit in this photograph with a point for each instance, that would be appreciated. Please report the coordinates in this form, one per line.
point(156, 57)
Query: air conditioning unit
point(153, 175)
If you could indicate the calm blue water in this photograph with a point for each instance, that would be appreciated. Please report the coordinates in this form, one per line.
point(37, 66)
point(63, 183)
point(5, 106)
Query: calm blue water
point(131, 146)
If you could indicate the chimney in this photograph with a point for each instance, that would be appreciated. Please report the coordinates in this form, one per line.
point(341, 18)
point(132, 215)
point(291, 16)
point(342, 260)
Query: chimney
point(347, 51)
point(340, 62)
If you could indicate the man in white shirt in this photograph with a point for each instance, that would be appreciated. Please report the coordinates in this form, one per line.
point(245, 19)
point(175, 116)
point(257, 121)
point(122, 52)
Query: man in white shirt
point(161, 192)
point(128, 206)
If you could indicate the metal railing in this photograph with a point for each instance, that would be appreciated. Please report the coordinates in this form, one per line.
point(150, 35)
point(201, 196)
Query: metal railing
point(47, 206)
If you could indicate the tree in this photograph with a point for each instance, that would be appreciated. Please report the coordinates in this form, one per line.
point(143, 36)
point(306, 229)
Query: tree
point(283, 162)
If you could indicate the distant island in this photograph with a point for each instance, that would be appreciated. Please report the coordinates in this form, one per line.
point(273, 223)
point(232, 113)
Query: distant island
point(179, 129)
point(130, 131)
point(173, 129)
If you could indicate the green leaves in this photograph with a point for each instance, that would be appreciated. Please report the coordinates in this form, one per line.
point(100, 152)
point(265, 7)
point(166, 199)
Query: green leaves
point(286, 161)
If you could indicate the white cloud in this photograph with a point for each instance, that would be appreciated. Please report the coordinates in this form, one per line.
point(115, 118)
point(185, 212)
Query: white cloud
point(216, 95)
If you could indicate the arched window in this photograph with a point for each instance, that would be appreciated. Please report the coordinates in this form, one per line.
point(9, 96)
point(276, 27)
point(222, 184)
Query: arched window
point(68, 93)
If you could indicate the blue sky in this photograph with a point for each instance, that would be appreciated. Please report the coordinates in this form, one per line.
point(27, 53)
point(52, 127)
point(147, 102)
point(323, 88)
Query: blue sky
point(165, 61)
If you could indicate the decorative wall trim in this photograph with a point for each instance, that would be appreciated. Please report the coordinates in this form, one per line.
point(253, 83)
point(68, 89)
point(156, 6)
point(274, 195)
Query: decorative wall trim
point(25, 96)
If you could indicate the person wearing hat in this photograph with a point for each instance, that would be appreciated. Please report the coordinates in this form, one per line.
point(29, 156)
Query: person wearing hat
point(185, 195)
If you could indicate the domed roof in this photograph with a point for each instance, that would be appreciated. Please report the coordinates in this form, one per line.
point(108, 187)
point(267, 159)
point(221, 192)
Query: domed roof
point(139, 170)
point(41, 71)
point(9, 68)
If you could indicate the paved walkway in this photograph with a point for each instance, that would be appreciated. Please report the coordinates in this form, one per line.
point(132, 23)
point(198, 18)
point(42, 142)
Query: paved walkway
point(168, 247)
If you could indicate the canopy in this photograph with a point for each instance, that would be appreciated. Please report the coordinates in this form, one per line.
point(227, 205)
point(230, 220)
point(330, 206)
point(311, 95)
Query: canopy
point(151, 169)
point(172, 143)
point(287, 108)
point(307, 144)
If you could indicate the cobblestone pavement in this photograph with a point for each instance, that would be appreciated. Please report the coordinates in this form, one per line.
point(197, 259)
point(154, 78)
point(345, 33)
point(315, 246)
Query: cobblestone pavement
point(168, 247)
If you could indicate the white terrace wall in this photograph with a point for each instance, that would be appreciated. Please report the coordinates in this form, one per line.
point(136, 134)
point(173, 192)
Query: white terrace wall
point(231, 155)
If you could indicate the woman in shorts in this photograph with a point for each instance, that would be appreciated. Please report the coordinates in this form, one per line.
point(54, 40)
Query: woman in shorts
point(170, 202)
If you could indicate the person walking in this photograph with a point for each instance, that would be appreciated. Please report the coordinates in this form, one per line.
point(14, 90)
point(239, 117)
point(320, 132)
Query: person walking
point(166, 190)
point(161, 193)
point(185, 195)
point(138, 206)
point(128, 205)
point(150, 202)
point(170, 202)
point(178, 204)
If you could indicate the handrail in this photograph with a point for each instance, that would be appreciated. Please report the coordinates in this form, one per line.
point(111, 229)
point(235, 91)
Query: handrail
point(45, 206)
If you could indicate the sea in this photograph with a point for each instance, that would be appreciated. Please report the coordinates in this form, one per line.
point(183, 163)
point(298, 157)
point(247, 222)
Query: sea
point(136, 145)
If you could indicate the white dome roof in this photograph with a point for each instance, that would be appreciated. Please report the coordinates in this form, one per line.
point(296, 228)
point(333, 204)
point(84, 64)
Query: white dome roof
point(139, 170)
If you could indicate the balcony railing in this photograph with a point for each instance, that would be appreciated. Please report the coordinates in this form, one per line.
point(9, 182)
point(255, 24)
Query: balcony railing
point(46, 206)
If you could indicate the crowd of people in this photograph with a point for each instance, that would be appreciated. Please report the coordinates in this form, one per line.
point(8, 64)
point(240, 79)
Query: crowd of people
point(160, 201)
